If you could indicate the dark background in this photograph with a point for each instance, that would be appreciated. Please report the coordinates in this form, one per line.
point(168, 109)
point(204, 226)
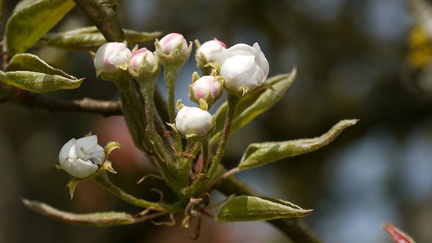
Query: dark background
point(352, 61)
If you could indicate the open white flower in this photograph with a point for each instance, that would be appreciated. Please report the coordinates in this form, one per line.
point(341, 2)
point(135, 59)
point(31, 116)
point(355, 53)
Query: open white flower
point(81, 157)
point(243, 67)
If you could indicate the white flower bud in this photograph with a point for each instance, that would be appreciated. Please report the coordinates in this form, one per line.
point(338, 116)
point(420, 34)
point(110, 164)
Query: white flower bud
point(81, 157)
point(193, 121)
point(169, 43)
point(208, 88)
point(110, 57)
point(243, 67)
point(143, 62)
point(210, 50)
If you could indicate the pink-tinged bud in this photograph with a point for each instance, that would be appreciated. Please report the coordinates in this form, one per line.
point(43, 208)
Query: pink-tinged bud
point(210, 51)
point(243, 67)
point(142, 55)
point(169, 43)
point(110, 57)
point(193, 121)
point(81, 157)
point(208, 88)
point(143, 63)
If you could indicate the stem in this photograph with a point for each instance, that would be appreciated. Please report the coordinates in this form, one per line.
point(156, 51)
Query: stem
point(134, 112)
point(170, 76)
point(168, 167)
point(205, 158)
point(44, 102)
point(295, 229)
point(202, 183)
point(104, 17)
point(105, 182)
point(233, 101)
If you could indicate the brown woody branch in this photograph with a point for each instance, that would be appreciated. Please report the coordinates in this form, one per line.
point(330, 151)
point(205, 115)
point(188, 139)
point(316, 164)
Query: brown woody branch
point(41, 101)
point(104, 16)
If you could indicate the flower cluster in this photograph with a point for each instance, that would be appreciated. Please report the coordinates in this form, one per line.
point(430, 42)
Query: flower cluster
point(243, 68)
point(186, 144)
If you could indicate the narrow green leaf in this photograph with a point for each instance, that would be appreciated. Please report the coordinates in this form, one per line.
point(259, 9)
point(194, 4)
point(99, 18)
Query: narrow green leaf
point(94, 219)
point(30, 62)
point(39, 82)
point(250, 208)
point(29, 23)
point(89, 38)
point(259, 154)
point(254, 104)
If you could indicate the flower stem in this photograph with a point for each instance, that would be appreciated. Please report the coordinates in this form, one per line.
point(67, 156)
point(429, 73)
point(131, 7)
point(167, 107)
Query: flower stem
point(201, 183)
point(233, 101)
point(170, 76)
point(166, 161)
point(134, 113)
point(205, 156)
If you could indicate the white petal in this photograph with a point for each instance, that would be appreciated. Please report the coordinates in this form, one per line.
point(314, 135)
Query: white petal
point(65, 151)
point(80, 168)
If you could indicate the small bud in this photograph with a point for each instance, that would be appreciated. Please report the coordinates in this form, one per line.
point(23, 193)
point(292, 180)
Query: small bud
point(193, 121)
point(210, 51)
point(169, 43)
point(243, 67)
point(81, 157)
point(173, 49)
point(112, 57)
point(143, 63)
point(208, 88)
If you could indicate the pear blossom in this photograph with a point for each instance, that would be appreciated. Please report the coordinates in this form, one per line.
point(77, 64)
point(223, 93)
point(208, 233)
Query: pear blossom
point(169, 43)
point(193, 121)
point(210, 50)
point(208, 88)
point(81, 157)
point(143, 62)
point(110, 57)
point(243, 67)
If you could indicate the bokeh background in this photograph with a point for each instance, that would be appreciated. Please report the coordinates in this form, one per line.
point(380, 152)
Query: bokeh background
point(365, 59)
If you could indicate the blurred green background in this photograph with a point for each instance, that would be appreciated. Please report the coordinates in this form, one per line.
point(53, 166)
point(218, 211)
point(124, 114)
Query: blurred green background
point(354, 60)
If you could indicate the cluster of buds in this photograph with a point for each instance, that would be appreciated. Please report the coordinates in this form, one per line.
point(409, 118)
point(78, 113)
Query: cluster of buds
point(239, 69)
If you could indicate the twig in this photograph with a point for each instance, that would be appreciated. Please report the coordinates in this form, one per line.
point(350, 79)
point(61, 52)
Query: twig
point(42, 101)
point(103, 14)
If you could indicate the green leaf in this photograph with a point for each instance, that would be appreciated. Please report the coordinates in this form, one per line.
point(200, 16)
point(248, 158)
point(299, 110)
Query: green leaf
point(29, 23)
point(250, 208)
point(254, 104)
point(30, 62)
point(39, 82)
point(90, 38)
point(94, 219)
point(259, 154)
